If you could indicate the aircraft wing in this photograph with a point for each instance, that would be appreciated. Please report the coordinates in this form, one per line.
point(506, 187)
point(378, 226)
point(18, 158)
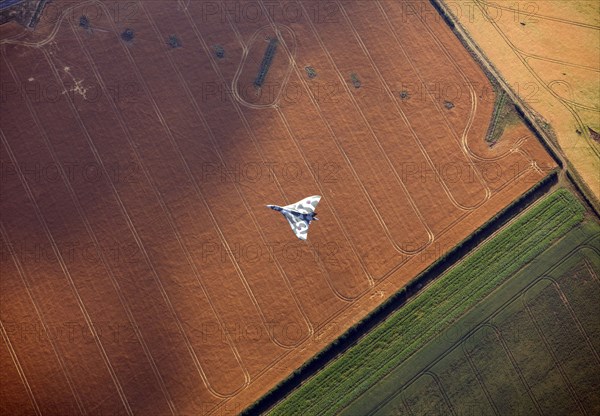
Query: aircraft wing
point(299, 226)
point(306, 206)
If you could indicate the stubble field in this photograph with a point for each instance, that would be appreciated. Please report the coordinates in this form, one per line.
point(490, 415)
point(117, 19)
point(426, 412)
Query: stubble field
point(141, 272)
point(548, 52)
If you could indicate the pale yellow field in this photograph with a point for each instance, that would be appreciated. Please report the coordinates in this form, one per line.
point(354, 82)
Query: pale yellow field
point(549, 53)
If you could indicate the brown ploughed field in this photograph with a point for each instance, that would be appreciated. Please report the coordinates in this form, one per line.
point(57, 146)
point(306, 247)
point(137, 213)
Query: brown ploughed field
point(141, 271)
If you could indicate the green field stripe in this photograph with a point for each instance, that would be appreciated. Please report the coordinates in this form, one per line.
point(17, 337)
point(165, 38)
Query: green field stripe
point(554, 261)
point(435, 309)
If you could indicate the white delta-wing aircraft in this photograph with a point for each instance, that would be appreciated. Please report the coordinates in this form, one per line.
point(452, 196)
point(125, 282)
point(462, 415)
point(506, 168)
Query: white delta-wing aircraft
point(300, 214)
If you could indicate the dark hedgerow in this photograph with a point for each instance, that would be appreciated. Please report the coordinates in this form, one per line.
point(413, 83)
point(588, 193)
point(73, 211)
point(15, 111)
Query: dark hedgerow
point(442, 303)
point(266, 62)
point(545, 222)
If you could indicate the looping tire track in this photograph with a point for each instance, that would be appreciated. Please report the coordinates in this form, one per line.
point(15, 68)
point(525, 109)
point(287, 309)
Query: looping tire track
point(338, 146)
point(465, 145)
point(292, 66)
point(541, 82)
point(440, 387)
point(240, 192)
point(436, 106)
point(403, 116)
point(551, 352)
point(570, 101)
point(398, 248)
point(291, 56)
point(54, 31)
point(238, 72)
point(168, 215)
point(166, 210)
point(478, 376)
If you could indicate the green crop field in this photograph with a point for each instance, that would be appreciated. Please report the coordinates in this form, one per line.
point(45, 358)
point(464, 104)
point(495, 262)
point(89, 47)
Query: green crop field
point(452, 348)
point(531, 347)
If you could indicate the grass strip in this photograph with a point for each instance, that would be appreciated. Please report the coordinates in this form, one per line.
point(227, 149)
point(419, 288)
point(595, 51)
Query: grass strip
point(448, 298)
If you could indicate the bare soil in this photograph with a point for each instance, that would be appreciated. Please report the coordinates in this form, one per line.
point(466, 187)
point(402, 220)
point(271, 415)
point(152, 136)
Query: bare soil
point(141, 272)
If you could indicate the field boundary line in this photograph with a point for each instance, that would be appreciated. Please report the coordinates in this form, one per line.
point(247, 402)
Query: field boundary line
point(584, 189)
point(276, 107)
point(240, 192)
point(123, 126)
point(124, 211)
point(447, 271)
point(22, 376)
point(324, 49)
point(540, 80)
point(55, 348)
point(274, 398)
point(565, 300)
point(94, 238)
point(467, 158)
point(550, 351)
point(491, 315)
point(217, 151)
point(68, 277)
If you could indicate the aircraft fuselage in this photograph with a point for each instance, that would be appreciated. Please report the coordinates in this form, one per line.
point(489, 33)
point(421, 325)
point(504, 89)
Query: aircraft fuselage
point(304, 217)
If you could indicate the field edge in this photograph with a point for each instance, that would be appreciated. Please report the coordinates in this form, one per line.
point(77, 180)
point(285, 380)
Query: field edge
point(415, 287)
